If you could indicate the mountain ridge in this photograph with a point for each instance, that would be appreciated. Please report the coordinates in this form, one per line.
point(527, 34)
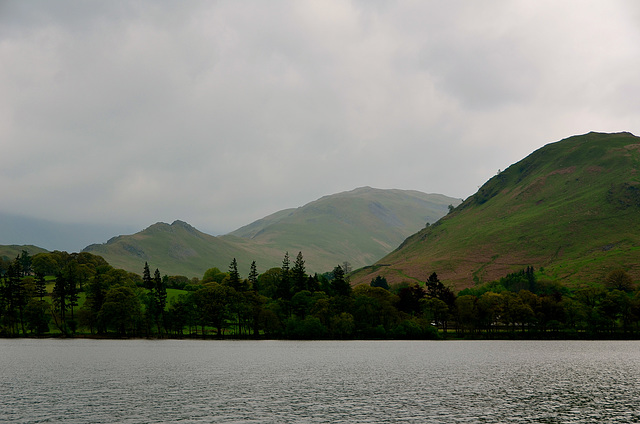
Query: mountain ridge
point(327, 231)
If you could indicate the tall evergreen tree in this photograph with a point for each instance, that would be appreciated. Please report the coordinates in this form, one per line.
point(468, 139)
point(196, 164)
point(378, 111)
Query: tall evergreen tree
point(72, 299)
point(284, 287)
point(253, 277)
point(150, 300)
point(234, 277)
point(60, 295)
point(299, 275)
point(160, 297)
point(160, 290)
point(14, 297)
point(147, 282)
point(434, 288)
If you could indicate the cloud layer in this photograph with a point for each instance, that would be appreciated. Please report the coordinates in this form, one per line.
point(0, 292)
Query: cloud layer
point(219, 113)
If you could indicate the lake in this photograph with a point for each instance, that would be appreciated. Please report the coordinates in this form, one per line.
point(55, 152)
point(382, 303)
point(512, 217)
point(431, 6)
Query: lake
point(187, 381)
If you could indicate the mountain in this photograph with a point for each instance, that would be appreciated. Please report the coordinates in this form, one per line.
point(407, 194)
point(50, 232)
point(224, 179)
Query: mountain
point(177, 249)
point(357, 226)
point(16, 229)
point(10, 252)
point(570, 209)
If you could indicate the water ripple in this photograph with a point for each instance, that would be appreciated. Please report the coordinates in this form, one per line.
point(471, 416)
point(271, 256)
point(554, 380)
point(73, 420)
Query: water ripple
point(104, 381)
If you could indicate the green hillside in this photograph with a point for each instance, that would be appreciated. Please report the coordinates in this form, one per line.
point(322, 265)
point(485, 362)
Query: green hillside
point(571, 208)
point(176, 249)
point(10, 252)
point(358, 226)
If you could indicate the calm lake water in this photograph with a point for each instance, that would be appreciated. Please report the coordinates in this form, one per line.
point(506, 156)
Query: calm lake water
point(140, 381)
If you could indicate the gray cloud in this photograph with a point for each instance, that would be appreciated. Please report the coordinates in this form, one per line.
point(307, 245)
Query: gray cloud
point(220, 113)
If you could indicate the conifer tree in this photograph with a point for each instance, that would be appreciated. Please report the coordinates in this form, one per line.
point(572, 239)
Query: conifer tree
point(72, 299)
point(150, 299)
point(160, 290)
point(14, 297)
point(234, 276)
point(60, 295)
point(298, 274)
point(284, 287)
point(147, 282)
point(253, 277)
point(160, 297)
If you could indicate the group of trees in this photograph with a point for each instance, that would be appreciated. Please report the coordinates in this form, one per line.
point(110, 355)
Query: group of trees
point(286, 302)
point(66, 291)
point(520, 305)
point(81, 292)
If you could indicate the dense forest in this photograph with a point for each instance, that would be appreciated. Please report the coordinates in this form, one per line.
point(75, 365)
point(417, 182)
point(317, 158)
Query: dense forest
point(81, 295)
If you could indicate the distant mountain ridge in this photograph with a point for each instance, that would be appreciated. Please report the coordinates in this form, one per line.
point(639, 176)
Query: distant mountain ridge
point(571, 208)
point(357, 226)
point(21, 230)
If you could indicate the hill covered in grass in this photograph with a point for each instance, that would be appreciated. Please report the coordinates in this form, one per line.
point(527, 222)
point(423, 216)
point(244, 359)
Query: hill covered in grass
point(11, 251)
point(570, 209)
point(177, 249)
point(357, 226)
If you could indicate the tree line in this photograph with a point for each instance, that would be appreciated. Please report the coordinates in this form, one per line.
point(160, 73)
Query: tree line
point(81, 293)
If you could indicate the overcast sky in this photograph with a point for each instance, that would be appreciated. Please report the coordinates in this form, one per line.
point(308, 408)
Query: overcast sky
point(219, 113)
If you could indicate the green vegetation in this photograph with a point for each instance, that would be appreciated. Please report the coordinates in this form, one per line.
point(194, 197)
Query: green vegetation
point(359, 226)
point(8, 252)
point(571, 207)
point(82, 295)
point(178, 248)
point(86, 296)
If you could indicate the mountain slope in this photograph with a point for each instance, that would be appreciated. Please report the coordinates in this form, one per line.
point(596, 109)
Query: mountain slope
point(571, 207)
point(358, 226)
point(10, 252)
point(176, 249)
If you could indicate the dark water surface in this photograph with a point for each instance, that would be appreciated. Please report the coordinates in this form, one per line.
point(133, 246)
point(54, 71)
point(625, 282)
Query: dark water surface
point(140, 381)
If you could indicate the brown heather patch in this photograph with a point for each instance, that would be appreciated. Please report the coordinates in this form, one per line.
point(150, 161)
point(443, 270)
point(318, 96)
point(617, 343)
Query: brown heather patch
point(633, 147)
point(516, 192)
point(533, 188)
point(537, 185)
point(514, 208)
point(457, 272)
point(625, 150)
point(563, 171)
point(490, 268)
point(595, 169)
